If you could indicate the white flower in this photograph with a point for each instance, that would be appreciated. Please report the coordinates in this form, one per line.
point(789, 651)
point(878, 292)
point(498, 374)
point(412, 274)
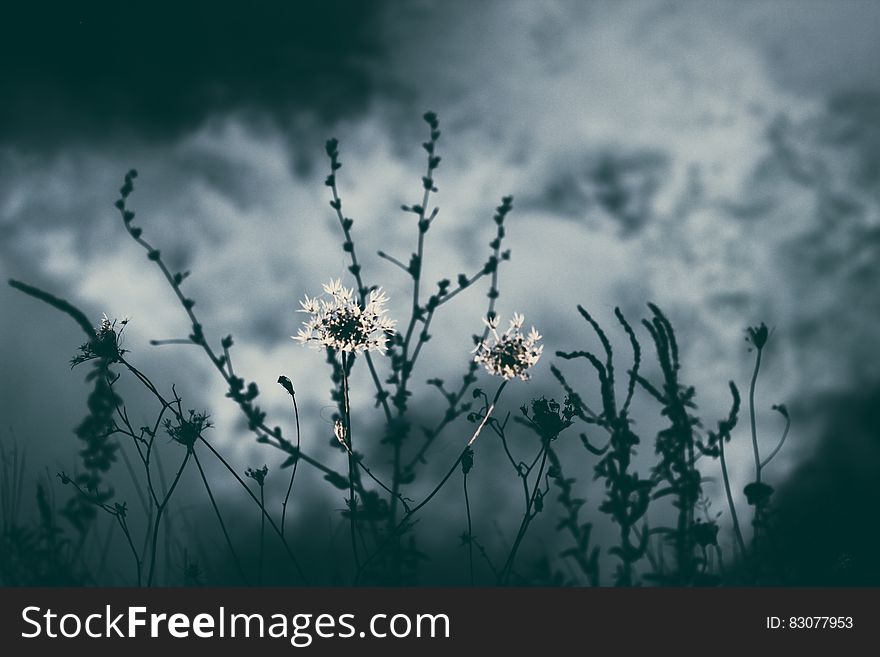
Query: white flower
point(339, 432)
point(509, 354)
point(106, 324)
point(109, 326)
point(341, 324)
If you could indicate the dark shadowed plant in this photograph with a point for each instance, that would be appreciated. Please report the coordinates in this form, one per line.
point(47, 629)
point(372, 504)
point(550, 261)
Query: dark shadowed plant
point(627, 494)
point(379, 515)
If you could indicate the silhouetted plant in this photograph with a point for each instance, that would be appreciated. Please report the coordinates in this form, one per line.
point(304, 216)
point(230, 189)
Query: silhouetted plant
point(675, 475)
point(714, 447)
point(259, 476)
point(95, 431)
point(404, 347)
point(628, 495)
point(38, 552)
point(758, 493)
point(351, 325)
point(547, 419)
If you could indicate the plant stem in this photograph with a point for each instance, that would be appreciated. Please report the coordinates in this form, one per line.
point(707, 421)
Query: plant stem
point(355, 269)
point(467, 506)
point(739, 537)
point(219, 517)
point(262, 535)
point(134, 551)
point(159, 512)
point(272, 524)
point(295, 462)
point(352, 502)
point(781, 442)
point(752, 414)
point(527, 519)
point(393, 534)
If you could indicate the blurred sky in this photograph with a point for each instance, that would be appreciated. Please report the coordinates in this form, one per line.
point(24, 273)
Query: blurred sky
point(720, 159)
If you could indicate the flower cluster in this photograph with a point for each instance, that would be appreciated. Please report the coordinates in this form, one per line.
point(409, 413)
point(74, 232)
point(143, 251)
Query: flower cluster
point(548, 418)
point(187, 430)
point(342, 324)
point(257, 474)
point(511, 353)
point(107, 337)
point(758, 335)
point(105, 344)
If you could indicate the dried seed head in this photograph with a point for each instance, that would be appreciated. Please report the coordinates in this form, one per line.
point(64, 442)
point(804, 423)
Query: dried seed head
point(257, 474)
point(342, 324)
point(758, 335)
point(509, 354)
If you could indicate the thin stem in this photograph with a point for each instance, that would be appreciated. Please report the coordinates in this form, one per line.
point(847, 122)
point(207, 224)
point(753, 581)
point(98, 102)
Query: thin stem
point(262, 535)
point(451, 414)
point(295, 461)
point(781, 441)
point(469, 377)
point(470, 535)
point(752, 415)
point(120, 519)
point(355, 269)
point(403, 522)
point(257, 425)
point(741, 544)
point(159, 512)
point(524, 525)
point(271, 522)
point(131, 473)
point(219, 517)
point(134, 552)
point(392, 260)
point(352, 502)
point(416, 313)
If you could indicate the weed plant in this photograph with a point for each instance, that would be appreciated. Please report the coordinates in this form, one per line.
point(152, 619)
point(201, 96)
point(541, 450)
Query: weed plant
point(352, 327)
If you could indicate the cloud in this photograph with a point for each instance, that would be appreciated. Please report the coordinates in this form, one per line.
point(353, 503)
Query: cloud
point(89, 72)
point(642, 141)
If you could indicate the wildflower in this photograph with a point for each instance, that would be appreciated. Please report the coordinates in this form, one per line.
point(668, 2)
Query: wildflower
point(106, 337)
point(546, 417)
point(758, 335)
point(187, 430)
point(105, 344)
point(257, 474)
point(511, 353)
point(339, 431)
point(342, 324)
point(108, 326)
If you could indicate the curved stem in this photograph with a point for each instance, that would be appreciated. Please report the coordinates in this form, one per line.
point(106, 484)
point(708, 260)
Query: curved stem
point(268, 518)
point(157, 520)
point(295, 461)
point(741, 544)
point(219, 517)
point(524, 525)
point(396, 531)
point(781, 441)
point(134, 552)
point(752, 415)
